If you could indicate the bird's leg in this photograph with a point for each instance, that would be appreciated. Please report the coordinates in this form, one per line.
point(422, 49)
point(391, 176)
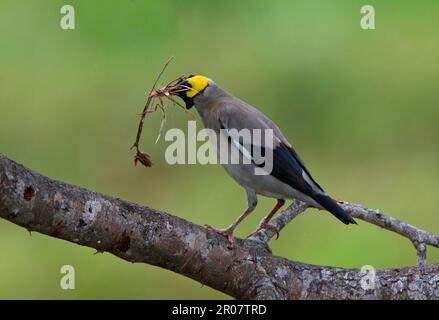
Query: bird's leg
point(265, 222)
point(228, 232)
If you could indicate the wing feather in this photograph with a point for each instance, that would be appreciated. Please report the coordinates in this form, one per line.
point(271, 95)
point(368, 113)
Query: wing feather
point(288, 167)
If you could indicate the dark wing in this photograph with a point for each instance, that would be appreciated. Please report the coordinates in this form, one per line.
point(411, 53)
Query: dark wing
point(287, 165)
point(289, 168)
point(300, 162)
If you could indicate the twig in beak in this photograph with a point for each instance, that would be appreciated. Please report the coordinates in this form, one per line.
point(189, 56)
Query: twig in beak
point(166, 91)
point(162, 123)
point(144, 158)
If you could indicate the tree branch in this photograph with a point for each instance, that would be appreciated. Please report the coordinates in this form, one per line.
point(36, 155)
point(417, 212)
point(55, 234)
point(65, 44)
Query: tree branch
point(142, 234)
point(418, 237)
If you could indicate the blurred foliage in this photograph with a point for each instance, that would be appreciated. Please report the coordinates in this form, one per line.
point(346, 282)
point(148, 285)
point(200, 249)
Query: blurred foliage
point(359, 106)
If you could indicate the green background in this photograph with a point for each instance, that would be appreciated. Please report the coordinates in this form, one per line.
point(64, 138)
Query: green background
point(359, 106)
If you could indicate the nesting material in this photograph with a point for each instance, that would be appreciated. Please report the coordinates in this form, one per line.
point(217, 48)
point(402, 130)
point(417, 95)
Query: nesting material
point(157, 98)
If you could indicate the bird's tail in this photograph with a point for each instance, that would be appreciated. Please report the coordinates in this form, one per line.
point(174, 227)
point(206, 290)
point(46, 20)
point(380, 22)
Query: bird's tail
point(331, 205)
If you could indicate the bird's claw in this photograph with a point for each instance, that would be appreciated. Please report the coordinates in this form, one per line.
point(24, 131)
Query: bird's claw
point(227, 233)
point(265, 226)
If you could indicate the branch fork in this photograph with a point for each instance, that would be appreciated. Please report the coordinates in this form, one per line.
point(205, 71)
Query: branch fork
point(419, 238)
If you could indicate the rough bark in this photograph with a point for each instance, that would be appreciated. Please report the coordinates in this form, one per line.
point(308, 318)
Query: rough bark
point(142, 234)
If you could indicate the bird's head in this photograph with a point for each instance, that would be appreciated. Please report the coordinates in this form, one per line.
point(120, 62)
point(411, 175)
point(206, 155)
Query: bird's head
point(191, 87)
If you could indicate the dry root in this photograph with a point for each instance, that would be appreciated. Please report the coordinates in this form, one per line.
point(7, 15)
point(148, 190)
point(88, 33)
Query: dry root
point(168, 91)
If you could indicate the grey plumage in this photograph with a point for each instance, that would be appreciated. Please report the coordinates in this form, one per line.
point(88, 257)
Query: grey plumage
point(289, 179)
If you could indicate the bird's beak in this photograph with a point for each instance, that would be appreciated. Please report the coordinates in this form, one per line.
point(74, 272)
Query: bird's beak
point(184, 84)
point(181, 87)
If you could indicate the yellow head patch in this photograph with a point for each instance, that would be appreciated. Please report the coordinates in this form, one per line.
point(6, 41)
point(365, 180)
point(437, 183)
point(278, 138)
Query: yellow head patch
point(198, 84)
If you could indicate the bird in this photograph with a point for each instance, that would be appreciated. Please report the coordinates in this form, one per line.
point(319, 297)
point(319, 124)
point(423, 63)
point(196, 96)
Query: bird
point(289, 178)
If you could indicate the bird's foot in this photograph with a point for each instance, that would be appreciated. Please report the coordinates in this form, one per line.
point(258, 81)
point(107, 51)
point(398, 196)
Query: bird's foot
point(227, 233)
point(265, 225)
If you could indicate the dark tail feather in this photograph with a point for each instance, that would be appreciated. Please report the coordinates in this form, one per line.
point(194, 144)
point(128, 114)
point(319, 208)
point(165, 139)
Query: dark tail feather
point(329, 204)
